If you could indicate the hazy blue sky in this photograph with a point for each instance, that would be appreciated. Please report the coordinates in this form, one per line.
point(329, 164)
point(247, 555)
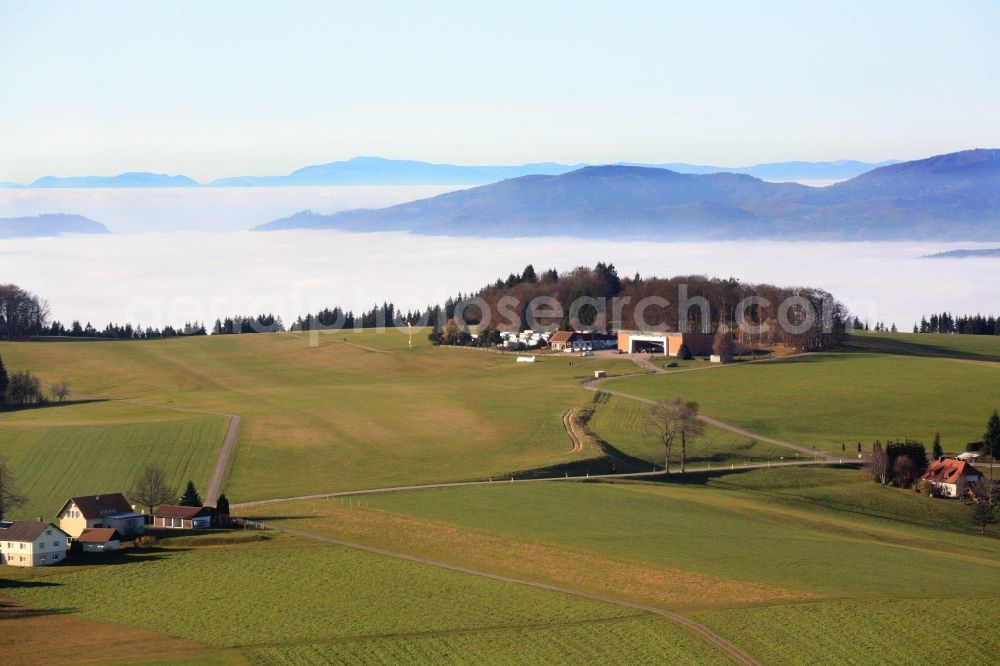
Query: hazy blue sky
point(226, 88)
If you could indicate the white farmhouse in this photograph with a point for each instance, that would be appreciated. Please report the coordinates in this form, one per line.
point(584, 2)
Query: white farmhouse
point(951, 477)
point(30, 543)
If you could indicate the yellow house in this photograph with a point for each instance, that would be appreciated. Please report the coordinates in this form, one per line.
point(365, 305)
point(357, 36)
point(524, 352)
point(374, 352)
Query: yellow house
point(100, 511)
point(28, 543)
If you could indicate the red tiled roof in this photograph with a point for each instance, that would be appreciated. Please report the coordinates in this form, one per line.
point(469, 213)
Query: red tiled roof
point(98, 535)
point(949, 470)
point(97, 506)
point(178, 511)
point(561, 336)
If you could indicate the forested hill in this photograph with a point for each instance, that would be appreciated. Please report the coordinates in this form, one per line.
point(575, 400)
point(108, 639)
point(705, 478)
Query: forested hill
point(49, 225)
point(626, 303)
point(948, 197)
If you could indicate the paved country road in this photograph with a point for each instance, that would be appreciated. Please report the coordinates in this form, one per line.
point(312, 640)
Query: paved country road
point(721, 643)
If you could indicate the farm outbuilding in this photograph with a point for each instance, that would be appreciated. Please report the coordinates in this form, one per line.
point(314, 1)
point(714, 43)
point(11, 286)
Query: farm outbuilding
point(582, 341)
point(101, 540)
point(177, 517)
point(667, 343)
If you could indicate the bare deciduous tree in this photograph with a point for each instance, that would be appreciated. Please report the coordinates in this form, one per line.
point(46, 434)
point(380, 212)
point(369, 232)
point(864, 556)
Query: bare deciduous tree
point(879, 464)
point(673, 419)
point(9, 497)
point(691, 428)
point(60, 391)
point(151, 488)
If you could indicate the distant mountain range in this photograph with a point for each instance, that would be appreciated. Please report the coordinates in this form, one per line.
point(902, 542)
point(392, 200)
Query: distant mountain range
point(53, 224)
point(131, 179)
point(379, 171)
point(954, 197)
point(964, 254)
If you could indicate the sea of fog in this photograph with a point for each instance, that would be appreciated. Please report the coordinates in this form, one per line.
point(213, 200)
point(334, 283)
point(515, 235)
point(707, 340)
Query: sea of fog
point(185, 254)
point(171, 277)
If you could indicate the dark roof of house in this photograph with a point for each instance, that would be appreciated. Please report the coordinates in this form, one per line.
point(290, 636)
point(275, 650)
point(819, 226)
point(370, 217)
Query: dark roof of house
point(949, 470)
point(97, 506)
point(98, 535)
point(595, 335)
point(25, 530)
point(177, 511)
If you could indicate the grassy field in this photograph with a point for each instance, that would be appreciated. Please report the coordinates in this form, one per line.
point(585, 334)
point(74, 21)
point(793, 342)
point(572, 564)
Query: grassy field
point(799, 566)
point(98, 447)
point(621, 422)
point(828, 399)
point(287, 600)
point(972, 347)
point(363, 414)
point(805, 565)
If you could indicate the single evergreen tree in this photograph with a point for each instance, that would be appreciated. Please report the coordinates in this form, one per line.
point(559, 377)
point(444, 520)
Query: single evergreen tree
point(991, 440)
point(222, 505)
point(191, 496)
point(937, 451)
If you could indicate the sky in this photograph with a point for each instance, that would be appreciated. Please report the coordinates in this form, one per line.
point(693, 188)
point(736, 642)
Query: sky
point(237, 88)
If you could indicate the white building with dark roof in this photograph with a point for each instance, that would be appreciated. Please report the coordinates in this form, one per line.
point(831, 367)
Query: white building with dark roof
point(31, 543)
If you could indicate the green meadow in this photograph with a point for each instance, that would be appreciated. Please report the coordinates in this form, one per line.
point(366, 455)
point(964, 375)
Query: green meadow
point(795, 565)
point(367, 412)
point(828, 399)
point(622, 423)
point(971, 347)
point(761, 557)
point(98, 447)
point(287, 600)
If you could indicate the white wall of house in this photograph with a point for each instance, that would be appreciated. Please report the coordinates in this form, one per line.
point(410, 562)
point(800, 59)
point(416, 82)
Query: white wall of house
point(50, 547)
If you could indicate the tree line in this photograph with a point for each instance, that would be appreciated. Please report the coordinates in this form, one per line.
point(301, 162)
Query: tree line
point(23, 389)
point(121, 331)
point(22, 313)
point(262, 323)
point(944, 322)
